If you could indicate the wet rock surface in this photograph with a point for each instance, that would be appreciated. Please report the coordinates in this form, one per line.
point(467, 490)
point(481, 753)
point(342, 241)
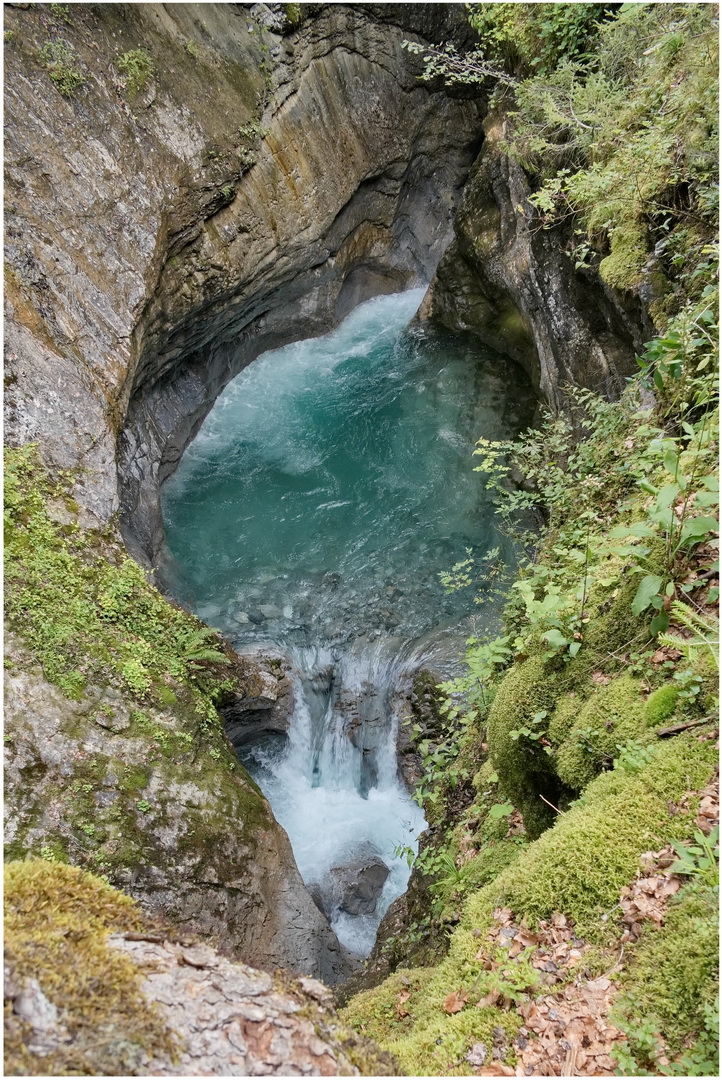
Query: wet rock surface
point(359, 883)
point(511, 283)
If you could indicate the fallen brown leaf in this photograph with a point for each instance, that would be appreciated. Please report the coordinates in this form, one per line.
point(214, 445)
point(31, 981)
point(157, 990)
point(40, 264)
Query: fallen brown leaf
point(401, 1011)
point(488, 999)
point(455, 1002)
point(600, 678)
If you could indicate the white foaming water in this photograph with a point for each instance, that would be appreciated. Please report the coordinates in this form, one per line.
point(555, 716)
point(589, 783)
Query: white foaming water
point(336, 797)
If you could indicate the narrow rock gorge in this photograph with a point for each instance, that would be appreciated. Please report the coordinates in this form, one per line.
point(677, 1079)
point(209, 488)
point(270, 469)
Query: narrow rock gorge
point(216, 211)
point(265, 178)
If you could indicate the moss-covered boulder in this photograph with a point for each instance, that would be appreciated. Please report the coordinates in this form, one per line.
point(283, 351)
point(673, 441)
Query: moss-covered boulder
point(94, 988)
point(613, 716)
point(525, 699)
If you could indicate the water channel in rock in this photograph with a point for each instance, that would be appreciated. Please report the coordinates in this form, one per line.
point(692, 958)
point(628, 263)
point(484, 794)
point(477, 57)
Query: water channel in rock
point(327, 489)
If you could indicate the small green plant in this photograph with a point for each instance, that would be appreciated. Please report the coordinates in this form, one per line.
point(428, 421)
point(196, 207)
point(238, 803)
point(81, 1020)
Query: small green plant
point(195, 650)
point(531, 733)
point(8, 35)
point(293, 14)
point(61, 63)
point(143, 805)
point(192, 49)
point(702, 631)
point(62, 12)
point(137, 67)
point(699, 858)
point(633, 757)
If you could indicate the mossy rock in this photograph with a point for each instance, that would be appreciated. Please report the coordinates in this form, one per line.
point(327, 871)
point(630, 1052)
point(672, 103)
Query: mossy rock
point(525, 770)
point(564, 717)
point(579, 866)
point(661, 704)
point(622, 268)
point(57, 922)
point(673, 974)
point(614, 715)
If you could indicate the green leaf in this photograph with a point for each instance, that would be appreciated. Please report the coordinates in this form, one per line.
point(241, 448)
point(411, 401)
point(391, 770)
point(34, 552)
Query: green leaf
point(556, 639)
point(646, 486)
point(637, 528)
point(696, 529)
point(659, 623)
point(667, 495)
point(649, 587)
point(671, 462)
point(500, 810)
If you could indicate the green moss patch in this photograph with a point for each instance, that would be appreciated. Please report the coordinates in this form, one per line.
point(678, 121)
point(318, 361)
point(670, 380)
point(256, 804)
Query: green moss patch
point(613, 716)
point(671, 985)
point(525, 770)
point(579, 866)
point(87, 611)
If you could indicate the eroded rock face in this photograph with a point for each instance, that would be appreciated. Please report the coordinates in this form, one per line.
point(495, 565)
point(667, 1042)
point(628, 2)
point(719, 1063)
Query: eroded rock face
point(511, 283)
point(188, 838)
point(259, 186)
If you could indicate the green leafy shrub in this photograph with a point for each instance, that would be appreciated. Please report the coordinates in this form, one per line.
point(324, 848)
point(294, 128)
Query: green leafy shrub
point(61, 63)
point(137, 66)
point(617, 129)
point(528, 40)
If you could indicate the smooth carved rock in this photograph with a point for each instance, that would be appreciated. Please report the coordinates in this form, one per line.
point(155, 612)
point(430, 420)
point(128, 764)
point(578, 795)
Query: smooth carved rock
point(153, 252)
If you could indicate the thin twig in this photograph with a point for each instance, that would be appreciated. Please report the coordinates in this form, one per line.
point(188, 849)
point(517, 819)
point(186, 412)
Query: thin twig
point(667, 733)
point(551, 804)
